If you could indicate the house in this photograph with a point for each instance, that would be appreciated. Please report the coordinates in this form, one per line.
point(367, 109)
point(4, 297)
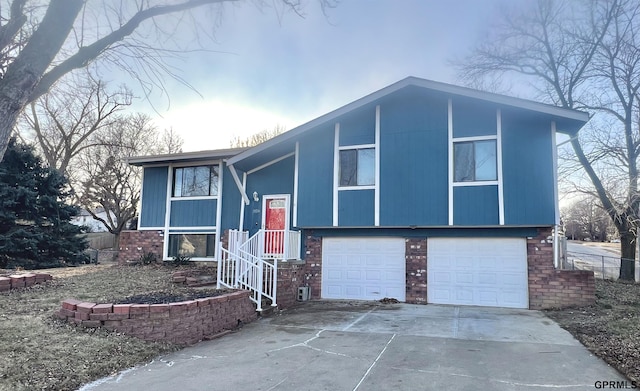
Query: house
point(85, 218)
point(422, 191)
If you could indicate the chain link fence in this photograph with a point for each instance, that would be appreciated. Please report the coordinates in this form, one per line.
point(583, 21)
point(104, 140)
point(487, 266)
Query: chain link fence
point(604, 267)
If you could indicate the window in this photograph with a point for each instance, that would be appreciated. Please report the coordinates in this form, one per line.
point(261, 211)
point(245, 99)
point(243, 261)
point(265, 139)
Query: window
point(357, 167)
point(192, 245)
point(195, 181)
point(475, 161)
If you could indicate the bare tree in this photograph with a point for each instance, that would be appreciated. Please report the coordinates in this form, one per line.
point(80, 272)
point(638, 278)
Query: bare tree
point(110, 184)
point(61, 123)
point(170, 142)
point(257, 138)
point(46, 40)
point(581, 55)
point(585, 218)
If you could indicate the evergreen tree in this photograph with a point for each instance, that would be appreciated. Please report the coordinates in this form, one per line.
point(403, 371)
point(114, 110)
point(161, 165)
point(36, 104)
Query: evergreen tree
point(35, 231)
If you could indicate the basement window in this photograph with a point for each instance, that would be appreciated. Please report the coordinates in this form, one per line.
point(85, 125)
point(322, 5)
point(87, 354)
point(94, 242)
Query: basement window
point(192, 245)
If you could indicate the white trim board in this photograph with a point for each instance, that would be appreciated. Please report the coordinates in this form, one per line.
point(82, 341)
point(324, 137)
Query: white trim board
point(376, 201)
point(499, 166)
point(295, 184)
point(336, 172)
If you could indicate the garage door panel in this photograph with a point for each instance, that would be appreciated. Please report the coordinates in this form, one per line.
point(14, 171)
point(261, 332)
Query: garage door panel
point(477, 271)
point(464, 278)
point(487, 279)
point(369, 269)
point(373, 275)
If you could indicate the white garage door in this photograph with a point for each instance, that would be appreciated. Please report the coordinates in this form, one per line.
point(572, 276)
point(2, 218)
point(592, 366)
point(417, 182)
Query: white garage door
point(477, 271)
point(363, 268)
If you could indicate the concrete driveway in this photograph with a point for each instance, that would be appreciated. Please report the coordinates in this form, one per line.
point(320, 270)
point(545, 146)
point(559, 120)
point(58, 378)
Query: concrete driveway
point(333, 345)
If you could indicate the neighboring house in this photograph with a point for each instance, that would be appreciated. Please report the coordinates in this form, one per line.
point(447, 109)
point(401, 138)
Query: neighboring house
point(422, 191)
point(85, 218)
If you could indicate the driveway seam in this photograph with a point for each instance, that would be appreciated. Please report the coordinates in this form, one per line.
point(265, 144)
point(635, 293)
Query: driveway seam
point(374, 363)
point(358, 320)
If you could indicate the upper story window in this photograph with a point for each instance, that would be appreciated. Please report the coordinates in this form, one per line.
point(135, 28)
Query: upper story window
point(195, 181)
point(357, 167)
point(475, 161)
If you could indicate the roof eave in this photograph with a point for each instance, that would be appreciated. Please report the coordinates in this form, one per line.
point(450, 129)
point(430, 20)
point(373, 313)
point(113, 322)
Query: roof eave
point(216, 154)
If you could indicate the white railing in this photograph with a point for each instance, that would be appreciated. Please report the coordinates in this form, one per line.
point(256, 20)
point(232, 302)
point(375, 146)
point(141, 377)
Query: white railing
point(277, 244)
point(245, 266)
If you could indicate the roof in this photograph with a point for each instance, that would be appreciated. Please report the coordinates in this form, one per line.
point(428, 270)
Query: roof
point(568, 120)
point(185, 157)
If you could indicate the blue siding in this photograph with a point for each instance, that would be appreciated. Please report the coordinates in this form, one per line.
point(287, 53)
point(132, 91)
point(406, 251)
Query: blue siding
point(475, 205)
point(231, 200)
point(356, 208)
point(315, 178)
point(154, 197)
point(527, 170)
point(473, 118)
point(275, 179)
point(193, 213)
point(358, 127)
point(413, 161)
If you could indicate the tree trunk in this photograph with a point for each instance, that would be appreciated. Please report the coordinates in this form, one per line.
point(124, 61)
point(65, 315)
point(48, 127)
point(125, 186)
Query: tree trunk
point(116, 241)
point(627, 253)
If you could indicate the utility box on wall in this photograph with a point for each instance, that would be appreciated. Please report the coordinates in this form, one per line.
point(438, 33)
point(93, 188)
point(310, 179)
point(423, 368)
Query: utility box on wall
point(304, 293)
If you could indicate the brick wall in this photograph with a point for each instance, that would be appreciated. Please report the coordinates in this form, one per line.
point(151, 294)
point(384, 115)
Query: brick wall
point(313, 263)
point(552, 288)
point(416, 264)
point(183, 323)
point(134, 244)
point(291, 276)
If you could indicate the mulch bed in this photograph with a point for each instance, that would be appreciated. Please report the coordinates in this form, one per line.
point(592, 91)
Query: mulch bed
point(165, 297)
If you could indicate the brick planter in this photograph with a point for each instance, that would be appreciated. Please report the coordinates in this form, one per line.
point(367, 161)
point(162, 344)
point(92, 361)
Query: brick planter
point(184, 323)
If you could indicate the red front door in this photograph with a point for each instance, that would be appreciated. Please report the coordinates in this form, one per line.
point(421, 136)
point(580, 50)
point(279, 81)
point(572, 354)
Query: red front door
point(275, 224)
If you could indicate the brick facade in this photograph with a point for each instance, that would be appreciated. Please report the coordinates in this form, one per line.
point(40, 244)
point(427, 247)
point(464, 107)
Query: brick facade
point(313, 263)
point(291, 276)
point(550, 287)
point(416, 258)
point(135, 244)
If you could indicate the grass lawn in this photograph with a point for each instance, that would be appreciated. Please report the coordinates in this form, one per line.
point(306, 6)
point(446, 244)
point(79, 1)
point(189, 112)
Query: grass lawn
point(42, 353)
point(611, 327)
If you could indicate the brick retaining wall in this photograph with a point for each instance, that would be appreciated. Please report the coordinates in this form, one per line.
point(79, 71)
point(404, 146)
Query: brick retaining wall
point(183, 323)
point(553, 288)
point(134, 244)
point(15, 281)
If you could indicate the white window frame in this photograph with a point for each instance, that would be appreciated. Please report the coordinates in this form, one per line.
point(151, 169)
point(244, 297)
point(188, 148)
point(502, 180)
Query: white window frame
point(204, 230)
point(207, 197)
point(336, 169)
point(498, 182)
point(458, 140)
point(214, 258)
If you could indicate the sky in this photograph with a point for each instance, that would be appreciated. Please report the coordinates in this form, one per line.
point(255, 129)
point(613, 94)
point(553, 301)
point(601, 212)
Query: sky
point(272, 68)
